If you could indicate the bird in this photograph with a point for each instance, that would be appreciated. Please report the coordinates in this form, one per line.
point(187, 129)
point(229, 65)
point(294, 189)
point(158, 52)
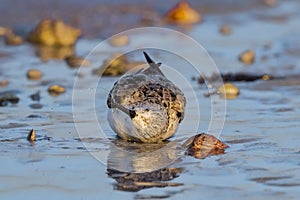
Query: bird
point(145, 106)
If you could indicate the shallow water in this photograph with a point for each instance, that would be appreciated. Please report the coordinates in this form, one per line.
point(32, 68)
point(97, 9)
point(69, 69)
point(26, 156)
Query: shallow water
point(261, 124)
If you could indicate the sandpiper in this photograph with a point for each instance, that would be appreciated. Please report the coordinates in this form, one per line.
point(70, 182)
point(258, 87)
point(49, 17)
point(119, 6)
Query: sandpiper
point(144, 106)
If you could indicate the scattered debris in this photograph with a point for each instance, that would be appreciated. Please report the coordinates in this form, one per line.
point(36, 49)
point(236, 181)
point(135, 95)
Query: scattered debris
point(34, 74)
point(74, 61)
point(54, 33)
point(247, 57)
point(203, 145)
point(31, 136)
point(55, 90)
point(119, 41)
point(183, 14)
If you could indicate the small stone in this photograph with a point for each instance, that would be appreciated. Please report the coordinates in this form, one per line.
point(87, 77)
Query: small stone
point(229, 91)
point(225, 30)
point(54, 33)
point(36, 96)
point(247, 57)
point(12, 39)
point(182, 13)
point(31, 136)
point(119, 41)
point(74, 61)
point(8, 97)
point(4, 31)
point(34, 74)
point(266, 77)
point(55, 90)
point(3, 83)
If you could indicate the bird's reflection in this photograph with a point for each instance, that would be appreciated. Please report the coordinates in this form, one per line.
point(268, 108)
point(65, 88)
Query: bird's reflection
point(137, 166)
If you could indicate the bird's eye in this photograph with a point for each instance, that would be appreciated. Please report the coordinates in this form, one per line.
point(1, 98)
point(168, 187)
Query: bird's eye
point(147, 109)
point(132, 113)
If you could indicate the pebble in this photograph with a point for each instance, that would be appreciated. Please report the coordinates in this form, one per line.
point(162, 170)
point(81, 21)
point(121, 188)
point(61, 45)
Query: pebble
point(36, 96)
point(225, 30)
point(229, 91)
point(6, 98)
point(3, 31)
point(12, 39)
point(266, 77)
point(34, 74)
point(3, 83)
point(55, 90)
point(119, 41)
point(247, 57)
point(183, 14)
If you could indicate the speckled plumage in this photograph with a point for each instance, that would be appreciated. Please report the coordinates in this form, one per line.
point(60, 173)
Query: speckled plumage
point(145, 106)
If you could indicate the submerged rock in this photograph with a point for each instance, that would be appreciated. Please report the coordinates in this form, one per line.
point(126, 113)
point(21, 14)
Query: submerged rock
point(183, 14)
point(54, 33)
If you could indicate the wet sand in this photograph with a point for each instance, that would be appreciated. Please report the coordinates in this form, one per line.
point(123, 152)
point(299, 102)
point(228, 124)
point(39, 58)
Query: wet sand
point(261, 125)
